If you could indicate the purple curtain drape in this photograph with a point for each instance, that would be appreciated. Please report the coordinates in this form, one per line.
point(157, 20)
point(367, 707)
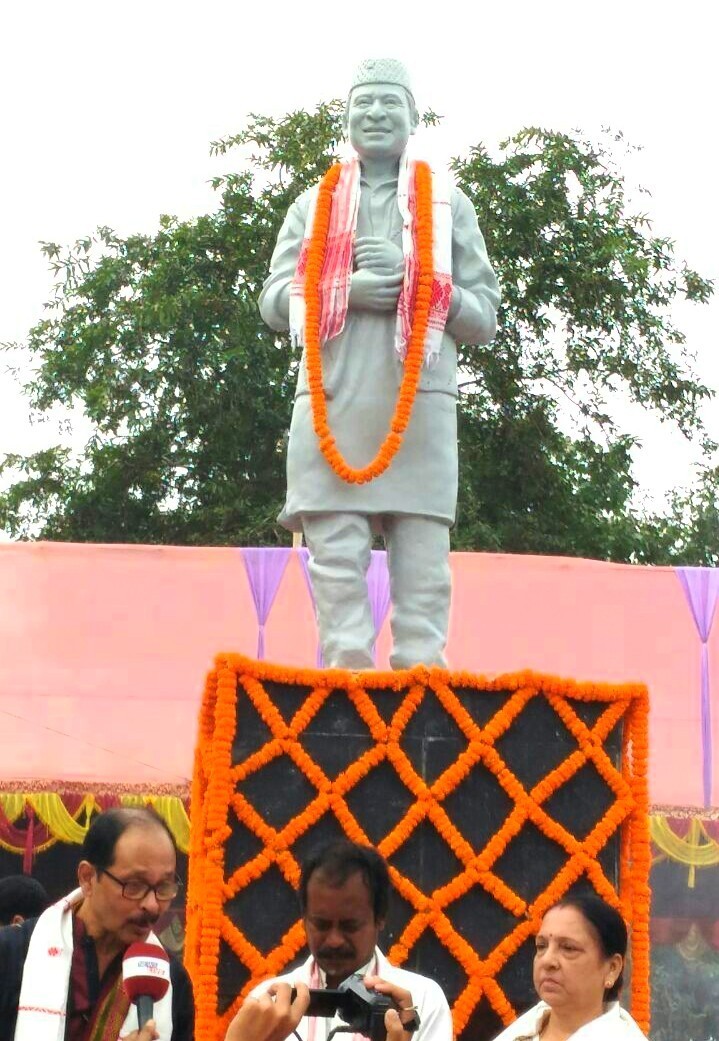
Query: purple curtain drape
point(265, 568)
point(378, 589)
point(701, 588)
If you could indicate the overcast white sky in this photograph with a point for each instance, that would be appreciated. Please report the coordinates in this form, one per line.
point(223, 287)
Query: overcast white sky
point(109, 108)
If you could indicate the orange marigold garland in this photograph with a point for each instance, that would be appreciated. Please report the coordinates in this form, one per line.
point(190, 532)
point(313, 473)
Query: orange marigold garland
point(415, 349)
point(207, 844)
point(215, 785)
point(640, 860)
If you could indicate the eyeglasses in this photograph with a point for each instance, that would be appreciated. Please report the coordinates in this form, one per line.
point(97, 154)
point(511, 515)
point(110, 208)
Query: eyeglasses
point(136, 889)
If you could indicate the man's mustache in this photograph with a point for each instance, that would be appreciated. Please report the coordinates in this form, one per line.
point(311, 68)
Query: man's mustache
point(334, 953)
point(145, 920)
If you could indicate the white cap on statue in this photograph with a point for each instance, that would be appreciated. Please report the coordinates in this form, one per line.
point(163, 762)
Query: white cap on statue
point(382, 70)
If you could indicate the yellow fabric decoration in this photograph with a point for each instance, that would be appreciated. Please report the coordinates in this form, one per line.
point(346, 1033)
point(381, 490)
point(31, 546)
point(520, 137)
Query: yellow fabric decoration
point(696, 850)
point(175, 816)
point(172, 811)
point(13, 804)
point(51, 810)
point(64, 826)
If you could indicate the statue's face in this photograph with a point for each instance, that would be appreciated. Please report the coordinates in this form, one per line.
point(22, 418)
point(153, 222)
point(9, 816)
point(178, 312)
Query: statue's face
point(379, 120)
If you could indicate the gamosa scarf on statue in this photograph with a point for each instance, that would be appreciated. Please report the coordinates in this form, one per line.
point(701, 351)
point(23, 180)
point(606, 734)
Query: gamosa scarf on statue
point(337, 270)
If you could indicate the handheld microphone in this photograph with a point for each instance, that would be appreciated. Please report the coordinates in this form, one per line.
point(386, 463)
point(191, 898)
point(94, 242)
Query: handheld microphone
point(145, 977)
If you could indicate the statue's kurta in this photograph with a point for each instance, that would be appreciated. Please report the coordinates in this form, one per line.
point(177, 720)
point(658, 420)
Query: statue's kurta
point(362, 374)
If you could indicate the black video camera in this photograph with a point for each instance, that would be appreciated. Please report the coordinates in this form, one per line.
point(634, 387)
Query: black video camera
point(363, 1010)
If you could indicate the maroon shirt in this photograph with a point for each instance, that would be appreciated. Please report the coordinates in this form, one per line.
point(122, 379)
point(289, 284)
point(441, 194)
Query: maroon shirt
point(86, 987)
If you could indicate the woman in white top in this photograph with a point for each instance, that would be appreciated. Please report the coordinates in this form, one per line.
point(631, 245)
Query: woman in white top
point(581, 947)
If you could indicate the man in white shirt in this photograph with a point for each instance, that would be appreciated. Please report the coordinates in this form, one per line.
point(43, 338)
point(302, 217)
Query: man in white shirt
point(344, 894)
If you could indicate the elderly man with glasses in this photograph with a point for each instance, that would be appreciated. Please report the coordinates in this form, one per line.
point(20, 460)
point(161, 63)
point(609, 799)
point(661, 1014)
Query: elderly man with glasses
point(61, 973)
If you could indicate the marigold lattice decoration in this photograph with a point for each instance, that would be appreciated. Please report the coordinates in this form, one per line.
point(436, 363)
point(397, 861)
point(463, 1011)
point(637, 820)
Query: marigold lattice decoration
point(265, 784)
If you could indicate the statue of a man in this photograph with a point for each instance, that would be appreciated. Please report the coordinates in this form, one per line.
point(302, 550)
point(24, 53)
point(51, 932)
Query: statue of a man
point(378, 272)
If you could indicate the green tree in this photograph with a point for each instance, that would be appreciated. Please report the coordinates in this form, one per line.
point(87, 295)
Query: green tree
point(689, 532)
point(159, 340)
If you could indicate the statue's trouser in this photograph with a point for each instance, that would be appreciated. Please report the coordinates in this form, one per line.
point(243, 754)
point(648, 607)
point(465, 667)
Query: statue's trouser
point(420, 582)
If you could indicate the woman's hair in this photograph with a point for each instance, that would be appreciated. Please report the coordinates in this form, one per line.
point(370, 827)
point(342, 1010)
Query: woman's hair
point(609, 926)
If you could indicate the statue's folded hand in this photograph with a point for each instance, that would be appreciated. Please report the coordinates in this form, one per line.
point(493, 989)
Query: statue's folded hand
point(377, 254)
point(374, 292)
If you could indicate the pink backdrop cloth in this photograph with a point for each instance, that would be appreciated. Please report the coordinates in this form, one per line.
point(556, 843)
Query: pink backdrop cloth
point(103, 650)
